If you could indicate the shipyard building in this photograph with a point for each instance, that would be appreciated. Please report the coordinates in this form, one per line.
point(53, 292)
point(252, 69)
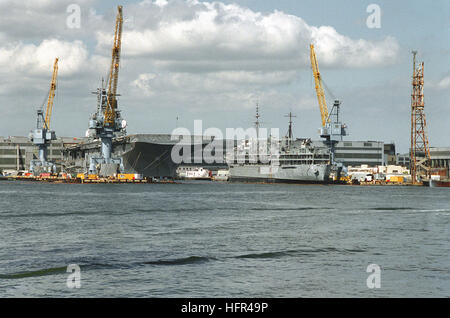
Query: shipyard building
point(17, 152)
point(440, 158)
point(357, 153)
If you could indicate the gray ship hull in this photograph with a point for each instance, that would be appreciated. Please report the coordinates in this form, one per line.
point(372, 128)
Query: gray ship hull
point(149, 159)
point(315, 173)
point(145, 154)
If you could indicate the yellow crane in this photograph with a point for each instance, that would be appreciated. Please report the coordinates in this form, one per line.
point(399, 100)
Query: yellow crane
point(332, 129)
point(110, 111)
point(107, 121)
point(42, 136)
point(51, 95)
point(319, 87)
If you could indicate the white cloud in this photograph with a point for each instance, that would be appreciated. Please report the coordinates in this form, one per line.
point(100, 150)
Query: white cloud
point(227, 56)
point(151, 83)
point(334, 49)
point(30, 59)
point(143, 83)
point(444, 83)
point(36, 19)
point(216, 36)
point(178, 55)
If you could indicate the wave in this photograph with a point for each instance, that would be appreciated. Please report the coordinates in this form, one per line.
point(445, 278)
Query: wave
point(267, 254)
point(181, 261)
point(391, 208)
point(189, 260)
point(290, 209)
point(56, 214)
point(36, 273)
point(174, 210)
point(62, 270)
point(407, 209)
point(299, 252)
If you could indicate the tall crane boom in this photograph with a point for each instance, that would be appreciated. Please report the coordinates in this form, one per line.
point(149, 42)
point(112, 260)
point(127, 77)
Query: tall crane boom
point(319, 87)
point(42, 136)
point(110, 111)
point(51, 96)
point(332, 129)
point(106, 123)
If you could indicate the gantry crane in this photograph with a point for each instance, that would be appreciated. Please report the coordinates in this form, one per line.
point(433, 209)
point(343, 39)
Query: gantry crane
point(107, 121)
point(42, 135)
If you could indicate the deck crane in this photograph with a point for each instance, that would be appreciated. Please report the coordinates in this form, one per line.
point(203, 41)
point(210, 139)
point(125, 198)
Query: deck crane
point(42, 135)
point(107, 121)
point(332, 129)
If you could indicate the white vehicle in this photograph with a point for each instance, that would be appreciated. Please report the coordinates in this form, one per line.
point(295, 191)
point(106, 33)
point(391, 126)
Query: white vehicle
point(193, 173)
point(222, 175)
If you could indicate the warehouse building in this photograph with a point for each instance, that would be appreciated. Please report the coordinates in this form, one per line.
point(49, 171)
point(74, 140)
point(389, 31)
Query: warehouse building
point(440, 158)
point(17, 152)
point(357, 153)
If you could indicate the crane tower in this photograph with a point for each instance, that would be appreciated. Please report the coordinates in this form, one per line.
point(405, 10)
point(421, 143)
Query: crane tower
point(107, 121)
point(420, 150)
point(42, 135)
point(332, 129)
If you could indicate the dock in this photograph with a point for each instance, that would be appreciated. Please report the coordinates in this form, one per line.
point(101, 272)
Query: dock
point(109, 180)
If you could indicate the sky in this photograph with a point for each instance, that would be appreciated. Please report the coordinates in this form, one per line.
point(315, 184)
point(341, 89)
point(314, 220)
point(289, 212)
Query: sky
point(213, 61)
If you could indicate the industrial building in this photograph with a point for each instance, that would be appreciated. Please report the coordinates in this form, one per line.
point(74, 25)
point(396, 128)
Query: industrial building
point(16, 153)
point(403, 160)
point(440, 158)
point(357, 153)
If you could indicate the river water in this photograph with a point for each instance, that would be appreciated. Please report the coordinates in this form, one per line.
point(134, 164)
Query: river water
point(205, 239)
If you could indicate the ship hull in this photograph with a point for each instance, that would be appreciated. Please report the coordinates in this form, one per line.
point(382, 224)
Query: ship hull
point(144, 154)
point(150, 159)
point(309, 174)
point(439, 184)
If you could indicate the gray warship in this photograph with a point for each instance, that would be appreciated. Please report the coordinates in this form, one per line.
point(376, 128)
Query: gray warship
point(297, 162)
point(146, 154)
point(283, 160)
